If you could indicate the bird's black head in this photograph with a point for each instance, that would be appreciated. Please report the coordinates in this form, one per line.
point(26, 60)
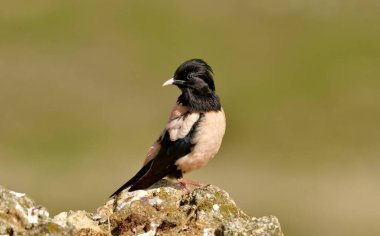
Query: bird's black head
point(195, 74)
point(194, 78)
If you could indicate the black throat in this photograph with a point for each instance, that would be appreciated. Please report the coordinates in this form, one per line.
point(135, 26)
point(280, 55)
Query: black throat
point(199, 102)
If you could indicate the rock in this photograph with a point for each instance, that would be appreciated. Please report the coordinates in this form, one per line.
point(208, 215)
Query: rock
point(81, 221)
point(19, 215)
point(164, 209)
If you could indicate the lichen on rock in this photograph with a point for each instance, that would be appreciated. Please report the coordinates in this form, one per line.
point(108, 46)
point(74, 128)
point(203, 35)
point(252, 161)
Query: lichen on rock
point(163, 209)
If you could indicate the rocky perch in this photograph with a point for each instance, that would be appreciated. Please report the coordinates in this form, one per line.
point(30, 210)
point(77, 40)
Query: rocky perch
point(164, 209)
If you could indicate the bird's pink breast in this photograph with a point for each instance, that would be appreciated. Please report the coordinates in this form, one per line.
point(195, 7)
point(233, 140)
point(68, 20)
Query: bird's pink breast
point(207, 141)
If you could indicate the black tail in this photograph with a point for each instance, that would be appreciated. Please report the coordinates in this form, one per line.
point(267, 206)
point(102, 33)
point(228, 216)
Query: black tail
point(135, 178)
point(147, 180)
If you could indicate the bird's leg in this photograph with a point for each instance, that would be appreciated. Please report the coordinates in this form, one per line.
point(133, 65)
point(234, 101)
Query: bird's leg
point(191, 182)
point(184, 187)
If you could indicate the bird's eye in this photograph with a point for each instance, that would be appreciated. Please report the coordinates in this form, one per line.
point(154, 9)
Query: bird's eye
point(189, 76)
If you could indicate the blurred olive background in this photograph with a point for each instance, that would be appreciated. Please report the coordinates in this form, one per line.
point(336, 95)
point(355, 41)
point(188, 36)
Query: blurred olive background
point(81, 101)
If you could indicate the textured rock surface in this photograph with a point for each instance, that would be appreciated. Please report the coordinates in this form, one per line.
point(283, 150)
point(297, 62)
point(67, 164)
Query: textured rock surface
point(19, 215)
point(164, 209)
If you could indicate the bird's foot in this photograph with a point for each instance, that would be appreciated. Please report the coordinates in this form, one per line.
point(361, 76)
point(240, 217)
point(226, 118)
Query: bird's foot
point(184, 187)
point(184, 183)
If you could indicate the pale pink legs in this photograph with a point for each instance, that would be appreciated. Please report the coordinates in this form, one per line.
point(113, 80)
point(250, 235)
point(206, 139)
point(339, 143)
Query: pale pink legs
point(184, 183)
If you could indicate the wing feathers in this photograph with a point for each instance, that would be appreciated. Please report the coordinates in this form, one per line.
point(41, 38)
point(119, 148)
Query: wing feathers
point(164, 162)
point(155, 148)
point(180, 127)
point(174, 142)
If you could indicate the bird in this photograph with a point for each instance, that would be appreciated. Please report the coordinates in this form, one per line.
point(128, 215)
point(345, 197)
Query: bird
point(193, 134)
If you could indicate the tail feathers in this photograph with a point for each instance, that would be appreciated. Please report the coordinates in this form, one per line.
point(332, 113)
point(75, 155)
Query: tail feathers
point(135, 178)
point(147, 180)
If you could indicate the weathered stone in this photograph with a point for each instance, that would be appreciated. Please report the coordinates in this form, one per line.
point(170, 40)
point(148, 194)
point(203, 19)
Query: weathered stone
point(164, 209)
point(19, 215)
point(81, 221)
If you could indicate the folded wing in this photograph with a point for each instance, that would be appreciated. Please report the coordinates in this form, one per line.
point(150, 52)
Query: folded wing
point(174, 142)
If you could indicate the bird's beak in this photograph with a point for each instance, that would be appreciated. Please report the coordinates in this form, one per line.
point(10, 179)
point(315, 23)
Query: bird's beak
point(168, 82)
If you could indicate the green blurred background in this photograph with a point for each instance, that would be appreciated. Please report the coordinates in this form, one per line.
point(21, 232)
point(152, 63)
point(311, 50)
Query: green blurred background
point(81, 101)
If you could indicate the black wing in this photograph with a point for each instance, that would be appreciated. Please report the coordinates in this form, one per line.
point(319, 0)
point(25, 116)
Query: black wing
point(164, 162)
